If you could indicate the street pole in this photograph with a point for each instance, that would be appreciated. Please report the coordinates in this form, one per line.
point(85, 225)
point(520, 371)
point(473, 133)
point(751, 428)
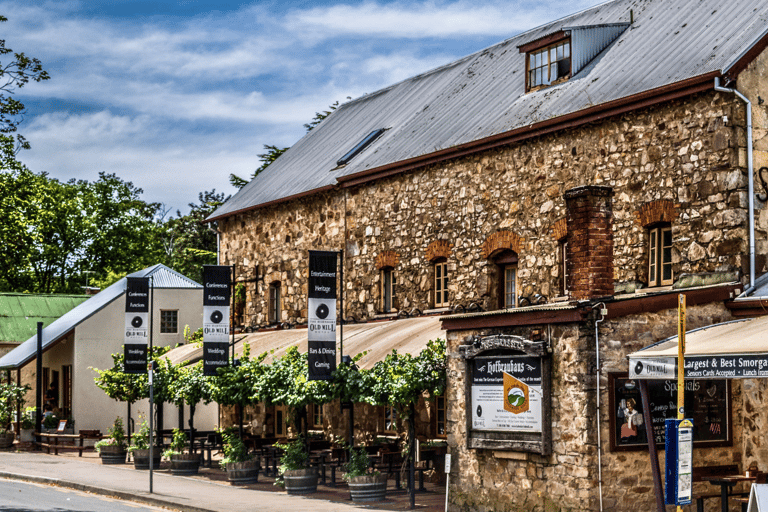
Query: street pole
point(151, 386)
point(39, 378)
point(681, 363)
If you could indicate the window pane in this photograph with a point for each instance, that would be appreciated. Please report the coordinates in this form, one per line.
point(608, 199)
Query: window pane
point(567, 49)
point(552, 55)
point(553, 72)
point(560, 51)
point(652, 257)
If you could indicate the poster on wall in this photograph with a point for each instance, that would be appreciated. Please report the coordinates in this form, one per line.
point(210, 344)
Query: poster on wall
point(136, 324)
point(321, 321)
point(707, 403)
point(217, 287)
point(506, 394)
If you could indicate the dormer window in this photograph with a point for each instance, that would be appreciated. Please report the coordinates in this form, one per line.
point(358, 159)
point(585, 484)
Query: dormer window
point(565, 52)
point(549, 64)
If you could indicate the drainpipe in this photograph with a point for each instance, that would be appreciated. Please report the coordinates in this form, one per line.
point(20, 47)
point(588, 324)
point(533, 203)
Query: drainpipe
point(751, 179)
point(603, 312)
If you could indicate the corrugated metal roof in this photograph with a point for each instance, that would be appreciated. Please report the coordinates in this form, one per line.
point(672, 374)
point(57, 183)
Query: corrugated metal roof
point(736, 337)
point(483, 94)
point(407, 336)
point(20, 312)
point(163, 277)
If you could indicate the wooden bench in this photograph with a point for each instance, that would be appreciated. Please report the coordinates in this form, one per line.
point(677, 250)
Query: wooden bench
point(700, 473)
point(51, 441)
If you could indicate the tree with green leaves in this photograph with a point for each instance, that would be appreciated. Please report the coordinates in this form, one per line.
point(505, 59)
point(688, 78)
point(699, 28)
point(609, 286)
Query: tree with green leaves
point(14, 74)
point(190, 387)
point(188, 243)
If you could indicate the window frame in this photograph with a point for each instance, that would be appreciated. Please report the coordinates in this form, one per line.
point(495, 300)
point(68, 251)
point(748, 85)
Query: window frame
point(562, 249)
point(545, 49)
point(436, 423)
point(440, 267)
point(660, 255)
point(388, 282)
point(273, 302)
point(389, 413)
point(505, 261)
point(316, 416)
point(164, 322)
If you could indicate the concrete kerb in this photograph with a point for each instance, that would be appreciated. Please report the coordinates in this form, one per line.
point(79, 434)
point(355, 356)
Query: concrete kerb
point(127, 496)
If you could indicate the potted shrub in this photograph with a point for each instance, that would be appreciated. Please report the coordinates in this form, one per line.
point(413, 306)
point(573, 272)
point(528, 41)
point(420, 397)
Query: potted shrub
point(297, 476)
point(240, 466)
point(181, 463)
point(140, 449)
point(11, 397)
point(27, 427)
point(112, 449)
point(365, 483)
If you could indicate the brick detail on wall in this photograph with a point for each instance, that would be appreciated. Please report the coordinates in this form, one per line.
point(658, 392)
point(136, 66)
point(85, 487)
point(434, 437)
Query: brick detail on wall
point(387, 259)
point(653, 212)
point(501, 240)
point(438, 249)
point(589, 215)
point(560, 229)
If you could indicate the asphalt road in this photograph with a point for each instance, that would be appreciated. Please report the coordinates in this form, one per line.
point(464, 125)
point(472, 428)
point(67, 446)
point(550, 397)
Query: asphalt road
point(26, 497)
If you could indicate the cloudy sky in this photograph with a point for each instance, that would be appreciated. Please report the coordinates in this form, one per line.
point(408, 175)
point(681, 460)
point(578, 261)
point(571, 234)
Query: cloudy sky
point(176, 95)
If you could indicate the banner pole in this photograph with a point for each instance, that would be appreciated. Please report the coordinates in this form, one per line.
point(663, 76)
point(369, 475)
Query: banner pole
point(680, 362)
point(151, 374)
point(232, 315)
point(341, 307)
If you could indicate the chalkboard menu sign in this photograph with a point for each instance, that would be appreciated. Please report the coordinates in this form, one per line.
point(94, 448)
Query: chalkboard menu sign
point(707, 403)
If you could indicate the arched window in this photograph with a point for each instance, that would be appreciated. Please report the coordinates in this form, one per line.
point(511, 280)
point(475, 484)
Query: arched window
point(273, 315)
point(441, 283)
point(506, 263)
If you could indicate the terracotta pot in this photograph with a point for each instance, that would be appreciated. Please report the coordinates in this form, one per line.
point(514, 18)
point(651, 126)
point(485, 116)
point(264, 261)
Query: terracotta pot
point(185, 464)
point(240, 473)
point(112, 454)
point(141, 458)
point(300, 481)
point(368, 487)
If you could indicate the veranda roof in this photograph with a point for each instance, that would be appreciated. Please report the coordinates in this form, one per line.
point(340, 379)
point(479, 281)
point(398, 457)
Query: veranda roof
point(735, 350)
point(378, 339)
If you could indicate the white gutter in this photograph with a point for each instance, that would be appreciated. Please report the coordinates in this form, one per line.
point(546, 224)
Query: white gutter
point(750, 181)
point(603, 312)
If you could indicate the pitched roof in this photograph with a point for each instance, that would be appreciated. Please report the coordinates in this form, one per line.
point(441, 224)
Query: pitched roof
point(20, 312)
point(470, 104)
point(162, 277)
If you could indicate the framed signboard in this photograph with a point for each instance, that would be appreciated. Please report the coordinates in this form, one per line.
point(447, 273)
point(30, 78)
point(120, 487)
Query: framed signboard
point(707, 403)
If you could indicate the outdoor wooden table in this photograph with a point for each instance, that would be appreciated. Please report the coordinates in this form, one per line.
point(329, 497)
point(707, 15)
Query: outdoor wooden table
point(319, 457)
point(51, 440)
point(725, 483)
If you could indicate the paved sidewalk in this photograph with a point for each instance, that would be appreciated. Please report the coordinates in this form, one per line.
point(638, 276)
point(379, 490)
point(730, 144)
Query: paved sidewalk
point(208, 492)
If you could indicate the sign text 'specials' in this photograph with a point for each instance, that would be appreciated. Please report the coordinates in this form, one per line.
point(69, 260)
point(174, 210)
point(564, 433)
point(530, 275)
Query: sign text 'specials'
point(321, 324)
point(136, 331)
point(217, 288)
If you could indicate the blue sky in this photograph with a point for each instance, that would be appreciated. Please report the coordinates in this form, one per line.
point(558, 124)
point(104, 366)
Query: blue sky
point(175, 96)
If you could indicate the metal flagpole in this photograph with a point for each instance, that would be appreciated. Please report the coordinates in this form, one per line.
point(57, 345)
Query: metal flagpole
point(151, 386)
point(680, 362)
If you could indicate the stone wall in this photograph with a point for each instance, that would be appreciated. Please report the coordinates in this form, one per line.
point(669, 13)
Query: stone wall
point(488, 480)
point(682, 153)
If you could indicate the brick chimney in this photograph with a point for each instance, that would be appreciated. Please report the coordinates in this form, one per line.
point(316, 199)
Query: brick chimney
point(589, 254)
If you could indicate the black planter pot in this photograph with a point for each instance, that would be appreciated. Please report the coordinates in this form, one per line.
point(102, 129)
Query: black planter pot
point(240, 473)
point(185, 464)
point(141, 458)
point(112, 455)
point(6, 440)
point(368, 488)
point(300, 481)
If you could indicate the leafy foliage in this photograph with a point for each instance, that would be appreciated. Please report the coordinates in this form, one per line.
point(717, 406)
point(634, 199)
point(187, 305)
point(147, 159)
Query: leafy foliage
point(233, 448)
point(178, 444)
point(11, 398)
point(116, 436)
point(359, 464)
point(140, 438)
point(295, 455)
point(14, 74)
point(125, 387)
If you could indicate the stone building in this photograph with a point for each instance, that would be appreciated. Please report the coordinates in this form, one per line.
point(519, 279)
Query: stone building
point(551, 195)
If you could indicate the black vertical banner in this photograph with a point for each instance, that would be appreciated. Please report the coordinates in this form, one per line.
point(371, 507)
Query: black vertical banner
point(321, 307)
point(136, 324)
point(217, 286)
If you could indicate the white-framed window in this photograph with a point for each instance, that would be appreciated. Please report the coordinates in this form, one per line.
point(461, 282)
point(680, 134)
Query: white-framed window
point(506, 263)
point(439, 419)
point(387, 289)
point(441, 284)
point(390, 419)
point(316, 416)
point(548, 64)
point(510, 286)
point(169, 321)
point(274, 303)
point(660, 256)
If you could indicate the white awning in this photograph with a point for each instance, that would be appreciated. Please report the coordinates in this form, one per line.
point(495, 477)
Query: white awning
point(377, 339)
point(731, 350)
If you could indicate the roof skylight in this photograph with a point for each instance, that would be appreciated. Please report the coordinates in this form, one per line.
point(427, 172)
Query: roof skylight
point(367, 141)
